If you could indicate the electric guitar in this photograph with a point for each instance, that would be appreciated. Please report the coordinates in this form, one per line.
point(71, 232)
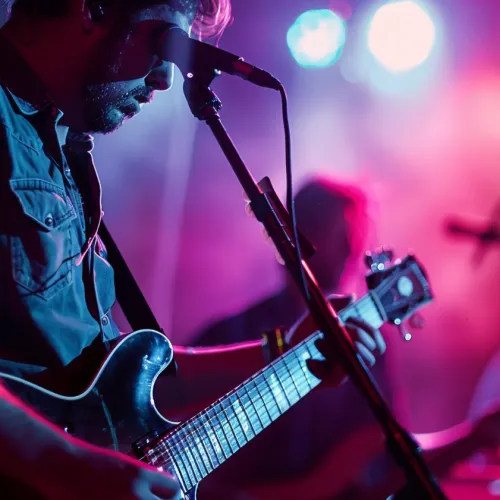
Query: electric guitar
point(116, 408)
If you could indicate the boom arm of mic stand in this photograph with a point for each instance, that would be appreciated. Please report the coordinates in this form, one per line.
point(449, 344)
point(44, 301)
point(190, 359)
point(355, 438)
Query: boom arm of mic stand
point(205, 106)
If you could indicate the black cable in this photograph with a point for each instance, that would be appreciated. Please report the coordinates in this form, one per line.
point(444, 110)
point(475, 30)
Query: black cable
point(290, 203)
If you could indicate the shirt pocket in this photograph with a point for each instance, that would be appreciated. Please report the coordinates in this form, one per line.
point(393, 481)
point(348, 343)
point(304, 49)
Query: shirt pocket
point(43, 245)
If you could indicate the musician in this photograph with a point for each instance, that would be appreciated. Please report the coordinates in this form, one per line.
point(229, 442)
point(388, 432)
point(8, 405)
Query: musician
point(70, 68)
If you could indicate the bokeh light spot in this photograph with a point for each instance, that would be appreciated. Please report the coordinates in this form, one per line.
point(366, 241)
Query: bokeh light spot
point(317, 38)
point(401, 35)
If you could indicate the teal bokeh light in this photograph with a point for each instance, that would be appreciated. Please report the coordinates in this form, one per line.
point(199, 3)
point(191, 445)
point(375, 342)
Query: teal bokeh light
point(317, 38)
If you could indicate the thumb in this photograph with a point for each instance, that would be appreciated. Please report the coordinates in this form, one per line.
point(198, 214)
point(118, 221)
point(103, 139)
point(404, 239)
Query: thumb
point(340, 302)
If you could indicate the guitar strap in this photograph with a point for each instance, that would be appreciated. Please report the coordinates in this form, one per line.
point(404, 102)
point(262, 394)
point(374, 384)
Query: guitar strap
point(128, 293)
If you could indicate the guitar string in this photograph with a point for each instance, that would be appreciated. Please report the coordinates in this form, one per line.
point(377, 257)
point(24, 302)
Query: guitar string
point(215, 412)
point(210, 432)
point(184, 436)
point(209, 420)
point(361, 304)
point(191, 472)
point(215, 458)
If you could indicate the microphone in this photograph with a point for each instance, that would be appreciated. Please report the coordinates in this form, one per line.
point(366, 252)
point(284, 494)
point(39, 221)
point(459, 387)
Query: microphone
point(194, 58)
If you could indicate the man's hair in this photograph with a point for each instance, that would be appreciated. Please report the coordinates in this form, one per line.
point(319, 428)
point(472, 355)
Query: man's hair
point(208, 17)
point(320, 202)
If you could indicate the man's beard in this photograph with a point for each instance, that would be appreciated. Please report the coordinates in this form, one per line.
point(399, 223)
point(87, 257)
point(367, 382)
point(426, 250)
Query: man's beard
point(106, 108)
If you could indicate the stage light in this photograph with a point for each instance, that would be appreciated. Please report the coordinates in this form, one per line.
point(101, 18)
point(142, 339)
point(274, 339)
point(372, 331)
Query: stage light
point(317, 38)
point(401, 35)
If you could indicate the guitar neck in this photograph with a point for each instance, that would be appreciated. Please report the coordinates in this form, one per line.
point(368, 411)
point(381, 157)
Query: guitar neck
point(202, 443)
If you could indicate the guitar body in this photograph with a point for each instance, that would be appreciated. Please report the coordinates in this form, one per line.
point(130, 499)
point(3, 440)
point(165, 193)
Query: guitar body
point(117, 408)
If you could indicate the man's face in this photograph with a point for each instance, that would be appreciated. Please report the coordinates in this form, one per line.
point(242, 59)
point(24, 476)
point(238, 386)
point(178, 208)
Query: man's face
point(124, 69)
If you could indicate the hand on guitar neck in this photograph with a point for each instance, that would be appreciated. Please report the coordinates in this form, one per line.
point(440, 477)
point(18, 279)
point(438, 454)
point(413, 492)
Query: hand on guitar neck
point(368, 340)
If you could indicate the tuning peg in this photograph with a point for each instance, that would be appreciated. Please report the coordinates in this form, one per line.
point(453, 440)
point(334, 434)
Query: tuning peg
point(403, 331)
point(378, 260)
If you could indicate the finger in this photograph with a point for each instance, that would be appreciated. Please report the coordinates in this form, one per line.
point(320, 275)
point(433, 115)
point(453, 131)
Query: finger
point(380, 341)
point(248, 210)
point(320, 369)
point(339, 302)
point(165, 486)
point(366, 355)
point(363, 337)
point(372, 332)
point(246, 197)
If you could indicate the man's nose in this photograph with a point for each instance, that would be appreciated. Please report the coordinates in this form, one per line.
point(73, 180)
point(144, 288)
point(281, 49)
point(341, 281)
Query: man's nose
point(161, 77)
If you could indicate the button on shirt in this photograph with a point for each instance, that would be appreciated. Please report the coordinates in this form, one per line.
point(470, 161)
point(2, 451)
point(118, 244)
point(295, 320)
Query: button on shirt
point(56, 286)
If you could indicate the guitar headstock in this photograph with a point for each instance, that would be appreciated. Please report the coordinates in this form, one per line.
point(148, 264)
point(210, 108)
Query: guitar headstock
point(400, 288)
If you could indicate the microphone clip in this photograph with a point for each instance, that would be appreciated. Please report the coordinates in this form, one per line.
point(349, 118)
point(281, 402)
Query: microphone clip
point(202, 100)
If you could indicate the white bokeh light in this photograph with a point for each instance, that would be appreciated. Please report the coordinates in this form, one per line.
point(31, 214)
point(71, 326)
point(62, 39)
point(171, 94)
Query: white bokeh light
point(401, 35)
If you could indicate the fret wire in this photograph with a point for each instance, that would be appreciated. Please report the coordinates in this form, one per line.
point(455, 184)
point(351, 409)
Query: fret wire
point(302, 370)
point(223, 431)
point(207, 436)
point(231, 408)
point(175, 445)
point(249, 420)
point(316, 380)
point(239, 411)
point(303, 367)
point(250, 400)
point(230, 426)
point(266, 411)
point(263, 400)
point(211, 431)
point(195, 452)
point(267, 400)
point(259, 412)
point(211, 463)
point(282, 387)
point(173, 439)
point(290, 373)
point(201, 462)
point(270, 402)
point(313, 352)
point(183, 436)
point(170, 457)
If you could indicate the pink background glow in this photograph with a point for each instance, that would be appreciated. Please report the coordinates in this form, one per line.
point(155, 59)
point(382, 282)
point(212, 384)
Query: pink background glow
point(178, 213)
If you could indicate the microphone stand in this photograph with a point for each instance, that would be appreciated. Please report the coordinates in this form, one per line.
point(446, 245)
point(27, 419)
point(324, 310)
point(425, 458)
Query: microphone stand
point(205, 105)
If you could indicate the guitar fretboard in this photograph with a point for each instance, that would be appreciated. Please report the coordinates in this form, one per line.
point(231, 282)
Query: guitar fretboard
point(202, 443)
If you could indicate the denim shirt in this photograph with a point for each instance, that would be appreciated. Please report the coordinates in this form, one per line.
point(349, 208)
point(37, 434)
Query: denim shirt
point(56, 286)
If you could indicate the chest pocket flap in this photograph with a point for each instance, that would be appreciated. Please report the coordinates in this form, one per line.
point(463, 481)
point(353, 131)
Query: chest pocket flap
point(44, 243)
point(44, 202)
